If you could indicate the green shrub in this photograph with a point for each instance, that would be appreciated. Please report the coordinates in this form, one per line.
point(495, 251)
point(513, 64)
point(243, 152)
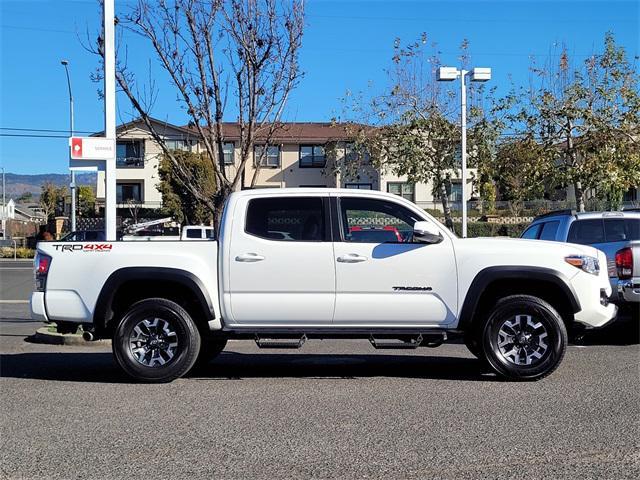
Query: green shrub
point(21, 252)
point(486, 229)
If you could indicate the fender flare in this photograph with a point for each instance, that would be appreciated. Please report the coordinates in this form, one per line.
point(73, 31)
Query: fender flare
point(103, 312)
point(490, 274)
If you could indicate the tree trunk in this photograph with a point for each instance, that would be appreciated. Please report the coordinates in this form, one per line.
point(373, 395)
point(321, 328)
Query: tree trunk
point(577, 187)
point(446, 208)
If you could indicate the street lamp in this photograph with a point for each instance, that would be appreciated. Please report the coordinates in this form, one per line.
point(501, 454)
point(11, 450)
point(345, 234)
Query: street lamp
point(448, 74)
point(65, 64)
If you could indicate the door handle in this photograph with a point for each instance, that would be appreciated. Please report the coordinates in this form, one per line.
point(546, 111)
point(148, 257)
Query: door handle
point(249, 257)
point(352, 258)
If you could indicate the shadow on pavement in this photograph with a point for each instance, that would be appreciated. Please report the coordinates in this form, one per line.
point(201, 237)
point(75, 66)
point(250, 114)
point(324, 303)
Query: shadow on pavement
point(100, 367)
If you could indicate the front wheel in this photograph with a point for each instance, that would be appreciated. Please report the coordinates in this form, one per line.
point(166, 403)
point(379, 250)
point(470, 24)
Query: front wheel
point(156, 341)
point(524, 338)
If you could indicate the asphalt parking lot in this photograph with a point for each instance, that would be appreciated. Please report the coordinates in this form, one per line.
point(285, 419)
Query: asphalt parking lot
point(330, 410)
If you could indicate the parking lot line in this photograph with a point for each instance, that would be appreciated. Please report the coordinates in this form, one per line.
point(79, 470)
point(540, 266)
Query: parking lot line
point(14, 301)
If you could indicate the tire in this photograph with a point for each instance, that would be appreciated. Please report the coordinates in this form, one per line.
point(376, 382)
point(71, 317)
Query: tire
point(156, 341)
point(524, 338)
point(210, 348)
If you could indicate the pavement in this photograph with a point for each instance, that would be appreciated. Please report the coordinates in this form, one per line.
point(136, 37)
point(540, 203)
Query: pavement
point(333, 409)
point(16, 280)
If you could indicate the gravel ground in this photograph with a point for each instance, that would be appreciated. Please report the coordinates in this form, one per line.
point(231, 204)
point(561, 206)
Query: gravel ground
point(330, 410)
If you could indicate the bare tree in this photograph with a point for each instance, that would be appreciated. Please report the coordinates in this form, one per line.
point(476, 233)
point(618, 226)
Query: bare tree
point(234, 57)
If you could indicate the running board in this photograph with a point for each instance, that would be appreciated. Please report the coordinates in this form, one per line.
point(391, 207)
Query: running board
point(409, 343)
point(280, 343)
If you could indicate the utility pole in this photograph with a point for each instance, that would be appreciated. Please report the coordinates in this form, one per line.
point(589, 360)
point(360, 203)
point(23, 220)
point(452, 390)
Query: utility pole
point(72, 185)
point(109, 117)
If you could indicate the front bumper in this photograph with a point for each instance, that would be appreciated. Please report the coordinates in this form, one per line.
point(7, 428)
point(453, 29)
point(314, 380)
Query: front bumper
point(629, 290)
point(38, 311)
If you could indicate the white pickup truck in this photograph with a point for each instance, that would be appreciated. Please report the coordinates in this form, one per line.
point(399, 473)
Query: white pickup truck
point(294, 264)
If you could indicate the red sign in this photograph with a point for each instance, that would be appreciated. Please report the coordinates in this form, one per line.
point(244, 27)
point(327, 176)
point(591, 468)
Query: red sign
point(76, 147)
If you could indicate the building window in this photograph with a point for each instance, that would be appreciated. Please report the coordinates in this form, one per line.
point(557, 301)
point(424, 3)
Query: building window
point(129, 154)
point(312, 156)
point(126, 192)
point(455, 194)
point(402, 189)
point(228, 148)
point(182, 145)
point(359, 186)
point(271, 159)
point(353, 153)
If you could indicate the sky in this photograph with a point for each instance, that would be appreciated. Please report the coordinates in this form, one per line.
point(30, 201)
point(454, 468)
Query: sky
point(346, 47)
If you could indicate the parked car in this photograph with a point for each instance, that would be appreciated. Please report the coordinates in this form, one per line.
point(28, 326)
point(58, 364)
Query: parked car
point(628, 269)
point(606, 231)
point(375, 234)
point(167, 305)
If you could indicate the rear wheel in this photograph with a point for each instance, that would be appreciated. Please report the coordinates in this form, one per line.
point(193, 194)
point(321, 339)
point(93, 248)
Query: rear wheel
point(156, 341)
point(524, 338)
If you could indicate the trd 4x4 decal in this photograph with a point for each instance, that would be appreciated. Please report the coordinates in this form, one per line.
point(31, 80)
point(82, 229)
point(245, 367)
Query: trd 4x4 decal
point(90, 247)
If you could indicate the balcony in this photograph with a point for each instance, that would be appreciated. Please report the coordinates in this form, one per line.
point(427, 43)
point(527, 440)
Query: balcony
point(129, 162)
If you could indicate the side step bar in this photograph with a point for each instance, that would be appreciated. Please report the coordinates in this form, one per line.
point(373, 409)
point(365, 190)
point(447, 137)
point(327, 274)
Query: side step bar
point(408, 342)
point(280, 343)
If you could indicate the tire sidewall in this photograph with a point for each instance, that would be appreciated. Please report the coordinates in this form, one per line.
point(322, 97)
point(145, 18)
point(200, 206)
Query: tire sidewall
point(541, 312)
point(181, 323)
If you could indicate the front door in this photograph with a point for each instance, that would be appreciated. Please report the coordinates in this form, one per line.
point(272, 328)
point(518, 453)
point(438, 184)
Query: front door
point(281, 269)
point(384, 277)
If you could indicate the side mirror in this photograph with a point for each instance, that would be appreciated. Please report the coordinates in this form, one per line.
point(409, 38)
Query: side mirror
point(426, 232)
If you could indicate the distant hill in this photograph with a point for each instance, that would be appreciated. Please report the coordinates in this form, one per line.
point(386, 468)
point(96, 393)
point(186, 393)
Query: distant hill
point(18, 184)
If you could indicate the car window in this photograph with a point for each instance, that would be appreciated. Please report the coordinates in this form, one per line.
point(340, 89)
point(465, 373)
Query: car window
point(209, 233)
point(586, 232)
point(194, 233)
point(531, 232)
point(621, 229)
point(367, 220)
point(549, 230)
point(299, 219)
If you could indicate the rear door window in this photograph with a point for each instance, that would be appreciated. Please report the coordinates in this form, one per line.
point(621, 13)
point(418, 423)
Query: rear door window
point(287, 219)
point(586, 232)
point(532, 232)
point(549, 230)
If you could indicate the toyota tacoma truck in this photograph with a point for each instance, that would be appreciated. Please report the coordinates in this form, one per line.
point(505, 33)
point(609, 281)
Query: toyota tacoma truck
point(287, 267)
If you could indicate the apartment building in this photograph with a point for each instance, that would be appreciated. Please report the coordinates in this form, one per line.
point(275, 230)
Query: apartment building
point(299, 155)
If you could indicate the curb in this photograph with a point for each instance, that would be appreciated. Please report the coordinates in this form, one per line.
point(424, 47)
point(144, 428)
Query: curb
point(43, 335)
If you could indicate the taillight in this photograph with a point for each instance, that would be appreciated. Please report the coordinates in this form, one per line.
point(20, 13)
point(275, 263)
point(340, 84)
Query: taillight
point(624, 263)
point(41, 266)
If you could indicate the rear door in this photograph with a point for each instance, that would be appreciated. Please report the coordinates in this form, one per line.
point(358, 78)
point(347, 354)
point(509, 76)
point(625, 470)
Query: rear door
point(281, 270)
point(384, 278)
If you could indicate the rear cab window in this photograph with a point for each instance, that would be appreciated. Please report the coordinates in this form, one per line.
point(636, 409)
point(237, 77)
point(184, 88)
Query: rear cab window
point(607, 230)
point(287, 219)
point(549, 230)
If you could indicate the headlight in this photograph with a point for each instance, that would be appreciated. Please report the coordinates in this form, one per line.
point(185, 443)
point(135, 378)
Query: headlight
point(585, 263)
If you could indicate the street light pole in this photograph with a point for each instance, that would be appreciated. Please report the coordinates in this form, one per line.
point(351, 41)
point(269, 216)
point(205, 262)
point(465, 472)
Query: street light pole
point(463, 155)
point(448, 74)
point(65, 63)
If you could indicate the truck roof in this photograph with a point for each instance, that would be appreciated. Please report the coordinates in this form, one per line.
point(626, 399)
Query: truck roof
point(313, 191)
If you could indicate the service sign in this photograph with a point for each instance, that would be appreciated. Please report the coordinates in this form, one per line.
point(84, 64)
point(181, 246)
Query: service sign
point(92, 148)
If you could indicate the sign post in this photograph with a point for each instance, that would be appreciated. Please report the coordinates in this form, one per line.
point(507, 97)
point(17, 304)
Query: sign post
point(110, 118)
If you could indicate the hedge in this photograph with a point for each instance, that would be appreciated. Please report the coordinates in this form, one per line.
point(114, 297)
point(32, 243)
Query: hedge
point(21, 252)
point(485, 229)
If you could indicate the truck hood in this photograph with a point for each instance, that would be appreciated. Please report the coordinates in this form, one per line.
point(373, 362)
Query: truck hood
point(516, 245)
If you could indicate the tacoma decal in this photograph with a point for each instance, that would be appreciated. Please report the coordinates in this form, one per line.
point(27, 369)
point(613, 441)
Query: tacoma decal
point(411, 289)
point(89, 247)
